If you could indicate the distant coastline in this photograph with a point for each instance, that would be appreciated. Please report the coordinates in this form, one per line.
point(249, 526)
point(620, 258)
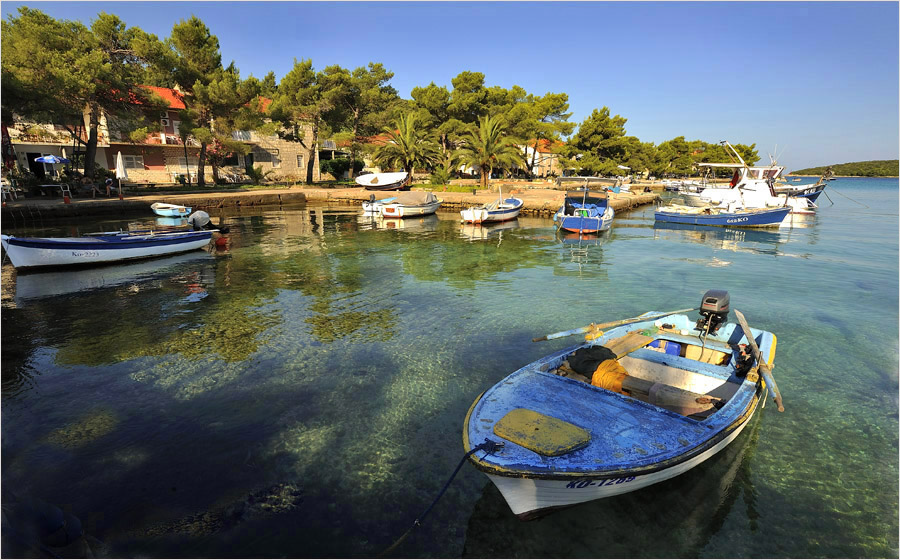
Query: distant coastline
point(889, 168)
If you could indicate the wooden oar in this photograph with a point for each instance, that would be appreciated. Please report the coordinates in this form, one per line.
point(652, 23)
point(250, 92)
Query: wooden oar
point(608, 325)
point(763, 366)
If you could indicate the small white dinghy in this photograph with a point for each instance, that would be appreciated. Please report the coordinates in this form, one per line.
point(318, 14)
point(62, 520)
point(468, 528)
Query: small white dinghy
point(498, 211)
point(170, 210)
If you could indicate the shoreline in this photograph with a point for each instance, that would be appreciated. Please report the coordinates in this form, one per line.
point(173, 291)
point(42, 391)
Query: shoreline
point(22, 211)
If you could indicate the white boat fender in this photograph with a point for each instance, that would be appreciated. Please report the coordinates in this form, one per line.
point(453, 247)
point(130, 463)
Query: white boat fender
point(488, 446)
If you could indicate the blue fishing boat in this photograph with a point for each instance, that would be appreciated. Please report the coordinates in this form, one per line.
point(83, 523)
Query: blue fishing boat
point(645, 401)
point(585, 211)
point(714, 216)
point(99, 248)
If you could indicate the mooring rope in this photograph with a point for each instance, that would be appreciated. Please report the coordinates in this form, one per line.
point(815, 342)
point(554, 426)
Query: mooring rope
point(848, 198)
point(488, 447)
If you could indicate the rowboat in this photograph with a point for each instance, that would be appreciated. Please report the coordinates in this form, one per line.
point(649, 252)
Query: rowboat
point(715, 216)
point(415, 203)
point(384, 181)
point(170, 210)
point(99, 248)
point(649, 399)
point(500, 210)
point(584, 211)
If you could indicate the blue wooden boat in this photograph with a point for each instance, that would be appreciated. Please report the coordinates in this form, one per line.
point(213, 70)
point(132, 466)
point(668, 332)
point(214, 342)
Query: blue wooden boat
point(585, 211)
point(655, 397)
point(712, 216)
point(99, 248)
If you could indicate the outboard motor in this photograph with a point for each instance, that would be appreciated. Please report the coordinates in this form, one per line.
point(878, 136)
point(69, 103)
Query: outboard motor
point(713, 310)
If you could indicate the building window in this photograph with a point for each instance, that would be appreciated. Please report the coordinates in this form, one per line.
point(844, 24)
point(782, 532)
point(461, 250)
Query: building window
point(276, 159)
point(243, 135)
point(231, 159)
point(300, 161)
point(182, 165)
point(133, 162)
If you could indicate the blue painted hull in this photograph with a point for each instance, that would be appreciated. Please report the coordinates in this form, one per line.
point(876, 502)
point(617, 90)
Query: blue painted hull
point(761, 218)
point(632, 444)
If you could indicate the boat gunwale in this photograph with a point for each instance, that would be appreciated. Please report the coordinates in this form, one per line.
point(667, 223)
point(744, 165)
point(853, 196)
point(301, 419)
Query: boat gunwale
point(736, 418)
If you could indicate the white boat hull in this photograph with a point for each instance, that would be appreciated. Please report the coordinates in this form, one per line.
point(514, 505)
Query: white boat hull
point(527, 496)
point(89, 251)
point(404, 211)
point(170, 210)
point(486, 214)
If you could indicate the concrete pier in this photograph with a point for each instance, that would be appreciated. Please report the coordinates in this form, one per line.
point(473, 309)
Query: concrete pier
point(25, 211)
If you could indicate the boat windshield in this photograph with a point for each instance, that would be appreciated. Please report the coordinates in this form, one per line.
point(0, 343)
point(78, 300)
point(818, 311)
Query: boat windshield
point(582, 199)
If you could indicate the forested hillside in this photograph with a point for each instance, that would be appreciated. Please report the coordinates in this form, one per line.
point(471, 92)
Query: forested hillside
point(875, 168)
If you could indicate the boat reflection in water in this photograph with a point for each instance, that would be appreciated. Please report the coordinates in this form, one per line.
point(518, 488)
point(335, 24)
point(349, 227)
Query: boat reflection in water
point(755, 241)
point(189, 266)
point(480, 232)
point(428, 222)
point(672, 519)
point(583, 250)
point(171, 222)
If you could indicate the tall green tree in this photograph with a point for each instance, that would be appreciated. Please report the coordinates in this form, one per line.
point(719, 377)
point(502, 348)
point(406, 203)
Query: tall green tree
point(305, 98)
point(599, 146)
point(548, 121)
point(62, 72)
point(196, 64)
point(487, 148)
point(408, 146)
point(363, 99)
point(225, 99)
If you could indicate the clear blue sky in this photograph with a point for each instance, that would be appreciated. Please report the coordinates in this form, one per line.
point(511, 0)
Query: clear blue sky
point(819, 80)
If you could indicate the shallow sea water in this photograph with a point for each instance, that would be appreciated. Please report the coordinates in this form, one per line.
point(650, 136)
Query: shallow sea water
point(301, 393)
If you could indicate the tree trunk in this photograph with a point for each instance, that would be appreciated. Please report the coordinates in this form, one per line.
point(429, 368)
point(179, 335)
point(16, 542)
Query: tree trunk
point(201, 164)
point(353, 142)
point(90, 153)
point(313, 148)
point(187, 162)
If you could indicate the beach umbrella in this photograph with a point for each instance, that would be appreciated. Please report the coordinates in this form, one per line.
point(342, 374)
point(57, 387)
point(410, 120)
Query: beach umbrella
point(51, 159)
point(120, 171)
point(120, 167)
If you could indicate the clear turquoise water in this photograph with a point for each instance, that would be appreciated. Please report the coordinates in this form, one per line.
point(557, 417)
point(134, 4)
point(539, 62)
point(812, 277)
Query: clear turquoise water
point(302, 392)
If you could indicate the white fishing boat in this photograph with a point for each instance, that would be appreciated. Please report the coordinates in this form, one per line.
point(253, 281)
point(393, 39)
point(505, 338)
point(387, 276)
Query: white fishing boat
point(499, 210)
point(414, 203)
point(100, 248)
point(396, 181)
point(750, 187)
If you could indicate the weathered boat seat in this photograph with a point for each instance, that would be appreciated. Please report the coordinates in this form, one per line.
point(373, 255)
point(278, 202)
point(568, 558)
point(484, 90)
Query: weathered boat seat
point(540, 433)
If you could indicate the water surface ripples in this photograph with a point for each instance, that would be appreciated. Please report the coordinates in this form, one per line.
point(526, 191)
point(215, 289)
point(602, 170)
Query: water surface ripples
point(302, 392)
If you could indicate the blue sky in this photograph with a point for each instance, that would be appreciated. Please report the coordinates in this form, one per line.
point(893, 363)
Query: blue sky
point(817, 80)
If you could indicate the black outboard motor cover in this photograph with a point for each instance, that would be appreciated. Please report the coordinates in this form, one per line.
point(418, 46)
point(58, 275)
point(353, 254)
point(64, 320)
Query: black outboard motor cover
point(713, 310)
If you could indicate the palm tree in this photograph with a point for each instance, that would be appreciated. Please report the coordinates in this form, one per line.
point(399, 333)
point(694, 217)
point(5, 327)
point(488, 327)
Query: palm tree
point(486, 147)
point(408, 147)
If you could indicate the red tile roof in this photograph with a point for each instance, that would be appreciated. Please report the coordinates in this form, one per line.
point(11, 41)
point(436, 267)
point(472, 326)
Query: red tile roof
point(545, 145)
point(175, 99)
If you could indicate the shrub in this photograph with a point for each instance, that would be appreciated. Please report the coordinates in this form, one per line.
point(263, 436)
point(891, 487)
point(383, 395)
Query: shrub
point(338, 166)
point(256, 174)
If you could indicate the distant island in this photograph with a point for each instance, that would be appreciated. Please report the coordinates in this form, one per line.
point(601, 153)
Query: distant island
point(876, 168)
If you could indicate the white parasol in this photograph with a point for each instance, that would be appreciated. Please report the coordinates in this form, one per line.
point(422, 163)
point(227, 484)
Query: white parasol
point(120, 171)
